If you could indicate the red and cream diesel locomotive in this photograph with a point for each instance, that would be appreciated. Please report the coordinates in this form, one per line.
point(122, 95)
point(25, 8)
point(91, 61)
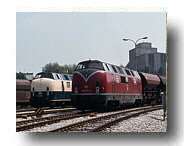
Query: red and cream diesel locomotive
point(100, 85)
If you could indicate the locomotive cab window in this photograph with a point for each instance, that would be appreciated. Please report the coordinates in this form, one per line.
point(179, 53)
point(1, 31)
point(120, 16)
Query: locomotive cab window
point(44, 75)
point(90, 65)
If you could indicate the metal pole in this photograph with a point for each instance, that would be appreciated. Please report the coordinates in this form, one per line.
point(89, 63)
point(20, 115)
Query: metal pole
point(163, 104)
point(135, 48)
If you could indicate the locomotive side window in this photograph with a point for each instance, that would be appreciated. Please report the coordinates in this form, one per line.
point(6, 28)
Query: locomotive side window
point(66, 77)
point(110, 68)
point(60, 76)
point(55, 76)
point(120, 70)
point(128, 72)
point(123, 70)
point(123, 80)
point(70, 78)
point(132, 73)
point(68, 84)
point(136, 73)
point(114, 69)
point(106, 67)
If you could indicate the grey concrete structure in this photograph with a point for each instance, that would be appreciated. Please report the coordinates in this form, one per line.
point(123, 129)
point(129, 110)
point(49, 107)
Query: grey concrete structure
point(145, 55)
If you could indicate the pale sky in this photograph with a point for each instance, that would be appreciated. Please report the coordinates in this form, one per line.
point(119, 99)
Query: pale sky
point(71, 37)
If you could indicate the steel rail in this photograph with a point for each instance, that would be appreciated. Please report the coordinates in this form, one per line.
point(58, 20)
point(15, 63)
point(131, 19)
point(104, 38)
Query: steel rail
point(44, 118)
point(69, 127)
point(30, 126)
point(45, 112)
point(109, 124)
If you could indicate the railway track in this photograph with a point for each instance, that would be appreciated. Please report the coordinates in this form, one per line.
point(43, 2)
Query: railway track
point(46, 120)
point(102, 122)
point(45, 112)
point(33, 109)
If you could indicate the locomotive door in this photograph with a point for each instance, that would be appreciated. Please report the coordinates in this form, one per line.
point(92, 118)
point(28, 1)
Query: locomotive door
point(113, 87)
point(63, 89)
point(113, 84)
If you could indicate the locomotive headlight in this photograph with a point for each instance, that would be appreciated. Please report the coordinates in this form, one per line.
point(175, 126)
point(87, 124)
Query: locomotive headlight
point(76, 90)
point(97, 89)
point(33, 94)
point(97, 86)
point(47, 91)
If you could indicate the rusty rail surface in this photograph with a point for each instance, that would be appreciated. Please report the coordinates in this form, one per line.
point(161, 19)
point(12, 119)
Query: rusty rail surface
point(109, 124)
point(45, 112)
point(78, 124)
point(50, 120)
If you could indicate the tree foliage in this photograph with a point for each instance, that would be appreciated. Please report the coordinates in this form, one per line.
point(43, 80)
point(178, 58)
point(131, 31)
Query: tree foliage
point(56, 68)
point(20, 75)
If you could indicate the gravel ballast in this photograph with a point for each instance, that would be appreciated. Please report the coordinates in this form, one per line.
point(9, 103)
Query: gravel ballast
point(150, 122)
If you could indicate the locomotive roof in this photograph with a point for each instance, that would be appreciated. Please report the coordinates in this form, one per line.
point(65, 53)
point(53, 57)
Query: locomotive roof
point(119, 69)
point(103, 62)
point(54, 73)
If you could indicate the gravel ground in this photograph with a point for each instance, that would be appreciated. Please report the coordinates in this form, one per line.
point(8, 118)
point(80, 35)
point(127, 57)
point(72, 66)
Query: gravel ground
point(150, 122)
point(49, 127)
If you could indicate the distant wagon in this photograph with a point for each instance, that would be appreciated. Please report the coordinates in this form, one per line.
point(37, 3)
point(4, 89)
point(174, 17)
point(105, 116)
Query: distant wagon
point(51, 89)
point(23, 92)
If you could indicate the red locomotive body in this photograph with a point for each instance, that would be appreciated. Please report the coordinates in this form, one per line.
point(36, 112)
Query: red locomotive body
point(99, 85)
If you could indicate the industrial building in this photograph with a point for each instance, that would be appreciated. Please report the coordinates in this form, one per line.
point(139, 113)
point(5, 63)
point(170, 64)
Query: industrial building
point(144, 55)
